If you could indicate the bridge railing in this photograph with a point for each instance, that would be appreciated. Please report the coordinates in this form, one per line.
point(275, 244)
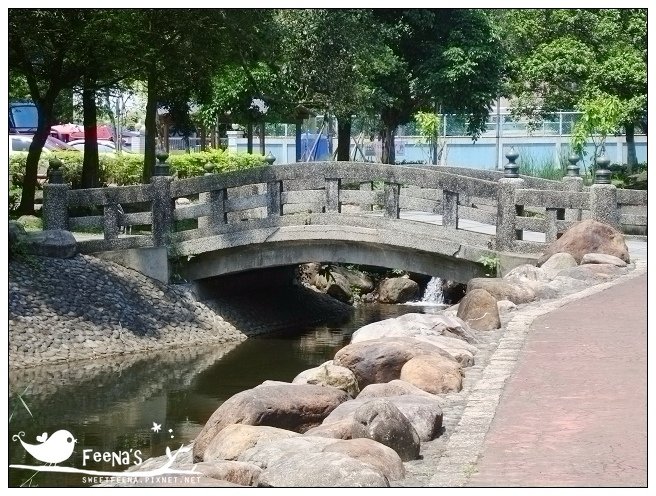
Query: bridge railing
point(166, 211)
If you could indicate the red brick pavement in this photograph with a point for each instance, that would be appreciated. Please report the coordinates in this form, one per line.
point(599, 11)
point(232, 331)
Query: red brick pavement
point(574, 412)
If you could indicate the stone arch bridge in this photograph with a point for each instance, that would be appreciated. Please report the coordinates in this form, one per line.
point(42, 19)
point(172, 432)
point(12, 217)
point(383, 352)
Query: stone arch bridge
point(431, 220)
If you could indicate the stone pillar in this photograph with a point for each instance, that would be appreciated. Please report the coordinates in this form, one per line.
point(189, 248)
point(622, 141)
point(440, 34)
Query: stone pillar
point(332, 195)
point(274, 204)
point(111, 219)
point(162, 210)
point(573, 183)
point(450, 209)
point(603, 204)
point(506, 213)
point(391, 194)
point(55, 206)
point(552, 216)
point(368, 186)
point(216, 200)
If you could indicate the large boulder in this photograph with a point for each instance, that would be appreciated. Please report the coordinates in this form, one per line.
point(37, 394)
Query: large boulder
point(589, 236)
point(417, 324)
point(335, 285)
point(557, 262)
point(355, 278)
point(524, 273)
point(329, 374)
point(241, 473)
point(341, 429)
point(396, 387)
point(423, 411)
point(479, 309)
point(381, 457)
point(433, 374)
point(295, 407)
point(265, 453)
point(381, 360)
point(593, 273)
point(56, 243)
point(235, 439)
point(397, 290)
point(502, 289)
point(381, 421)
point(330, 469)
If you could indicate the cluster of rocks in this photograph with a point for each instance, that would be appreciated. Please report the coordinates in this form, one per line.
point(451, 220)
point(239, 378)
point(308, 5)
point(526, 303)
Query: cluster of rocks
point(351, 285)
point(588, 253)
point(365, 417)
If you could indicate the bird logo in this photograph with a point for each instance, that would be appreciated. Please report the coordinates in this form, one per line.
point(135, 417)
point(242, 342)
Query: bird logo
point(52, 450)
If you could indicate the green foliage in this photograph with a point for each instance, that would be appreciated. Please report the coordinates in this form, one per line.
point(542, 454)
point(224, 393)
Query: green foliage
point(602, 115)
point(14, 197)
point(124, 169)
point(492, 263)
point(539, 167)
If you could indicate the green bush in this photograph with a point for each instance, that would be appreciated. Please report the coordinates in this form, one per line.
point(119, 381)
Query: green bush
point(127, 168)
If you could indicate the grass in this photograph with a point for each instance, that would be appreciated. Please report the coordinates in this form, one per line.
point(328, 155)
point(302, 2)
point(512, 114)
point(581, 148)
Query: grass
point(540, 167)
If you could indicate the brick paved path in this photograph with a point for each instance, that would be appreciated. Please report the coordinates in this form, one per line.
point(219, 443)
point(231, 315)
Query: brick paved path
point(574, 412)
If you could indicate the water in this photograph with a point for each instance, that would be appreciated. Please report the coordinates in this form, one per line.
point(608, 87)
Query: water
point(433, 294)
point(110, 405)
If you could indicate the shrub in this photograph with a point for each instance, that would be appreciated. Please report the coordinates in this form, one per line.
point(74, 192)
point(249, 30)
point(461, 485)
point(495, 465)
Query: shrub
point(127, 168)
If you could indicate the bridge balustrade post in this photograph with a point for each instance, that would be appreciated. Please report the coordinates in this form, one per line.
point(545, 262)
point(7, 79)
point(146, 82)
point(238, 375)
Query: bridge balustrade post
point(391, 200)
point(55, 206)
point(552, 216)
point(450, 209)
point(603, 204)
point(274, 201)
point(575, 184)
point(111, 220)
point(368, 186)
point(507, 212)
point(215, 199)
point(332, 195)
point(162, 209)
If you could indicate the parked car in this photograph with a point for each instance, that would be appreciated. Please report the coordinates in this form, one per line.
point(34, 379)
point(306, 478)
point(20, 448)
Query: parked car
point(104, 146)
point(22, 142)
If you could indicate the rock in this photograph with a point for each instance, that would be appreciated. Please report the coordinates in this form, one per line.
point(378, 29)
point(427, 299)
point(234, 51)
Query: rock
point(381, 421)
point(417, 324)
point(235, 439)
point(381, 457)
point(397, 290)
point(501, 289)
point(433, 374)
point(588, 236)
point(321, 470)
point(592, 273)
point(336, 285)
point(526, 272)
point(556, 263)
point(381, 360)
point(355, 279)
point(479, 309)
point(265, 453)
point(600, 258)
point(329, 374)
point(295, 407)
point(241, 473)
point(15, 231)
point(341, 429)
point(396, 387)
point(56, 243)
point(453, 291)
point(505, 306)
point(423, 410)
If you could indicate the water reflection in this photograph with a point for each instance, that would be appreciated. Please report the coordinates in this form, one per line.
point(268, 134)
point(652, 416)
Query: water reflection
point(111, 404)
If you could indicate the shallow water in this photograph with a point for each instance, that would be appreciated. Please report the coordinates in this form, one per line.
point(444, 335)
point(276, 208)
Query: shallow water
point(110, 406)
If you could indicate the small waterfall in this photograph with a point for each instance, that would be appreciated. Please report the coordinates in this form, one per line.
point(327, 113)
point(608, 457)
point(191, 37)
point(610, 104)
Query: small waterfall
point(433, 294)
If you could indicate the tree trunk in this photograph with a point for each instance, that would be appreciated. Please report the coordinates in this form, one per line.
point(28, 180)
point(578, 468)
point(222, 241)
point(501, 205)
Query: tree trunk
point(631, 157)
point(344, 138)
point(387, 135)
point(150, 141)
point(91, 163)
point(45, 115)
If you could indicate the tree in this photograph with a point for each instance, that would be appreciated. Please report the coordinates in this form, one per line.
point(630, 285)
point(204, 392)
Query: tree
point(45, 47)
point(561, 58)
point(450, 58)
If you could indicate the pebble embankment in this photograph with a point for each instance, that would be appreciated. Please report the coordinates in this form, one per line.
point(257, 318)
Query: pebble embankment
point(84, 308)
